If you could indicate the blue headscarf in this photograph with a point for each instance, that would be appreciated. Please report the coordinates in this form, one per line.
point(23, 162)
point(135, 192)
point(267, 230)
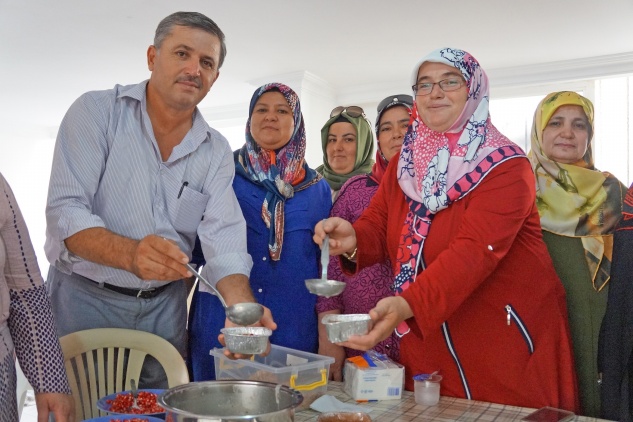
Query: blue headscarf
point(280, 172)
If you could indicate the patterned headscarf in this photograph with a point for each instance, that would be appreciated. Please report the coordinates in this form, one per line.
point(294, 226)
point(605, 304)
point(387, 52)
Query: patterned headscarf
point(576, 200)
point(364, 151)
point(406, 101)
point(432, 176)
point(281, 172)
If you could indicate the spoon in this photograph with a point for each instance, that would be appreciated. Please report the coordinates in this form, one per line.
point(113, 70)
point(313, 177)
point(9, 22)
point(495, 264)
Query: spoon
point(322, 286)
point(134, 394)
point(241, 313)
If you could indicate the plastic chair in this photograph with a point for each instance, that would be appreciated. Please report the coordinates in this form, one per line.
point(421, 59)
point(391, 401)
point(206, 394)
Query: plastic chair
point(101, 361)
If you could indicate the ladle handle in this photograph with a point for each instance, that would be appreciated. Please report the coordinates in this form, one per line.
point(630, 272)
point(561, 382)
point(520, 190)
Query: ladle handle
point(209, 285)
point(325, 256)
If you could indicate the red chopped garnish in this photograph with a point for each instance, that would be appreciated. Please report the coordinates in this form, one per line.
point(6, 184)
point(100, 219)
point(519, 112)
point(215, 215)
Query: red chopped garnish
point(145, 400)
point(130, 420)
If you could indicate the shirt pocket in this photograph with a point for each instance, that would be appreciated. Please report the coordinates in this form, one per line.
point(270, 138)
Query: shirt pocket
point(191, 206)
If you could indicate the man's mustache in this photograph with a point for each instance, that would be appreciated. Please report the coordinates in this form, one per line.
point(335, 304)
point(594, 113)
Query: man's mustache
point(193, 79)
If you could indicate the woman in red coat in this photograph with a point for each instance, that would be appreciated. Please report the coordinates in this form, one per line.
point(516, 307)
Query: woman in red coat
point(477, 297)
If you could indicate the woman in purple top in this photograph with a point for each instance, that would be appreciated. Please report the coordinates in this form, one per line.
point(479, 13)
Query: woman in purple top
point(373, 283)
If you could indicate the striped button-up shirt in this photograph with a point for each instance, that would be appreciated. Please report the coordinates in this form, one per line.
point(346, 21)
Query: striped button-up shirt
point(108, 172)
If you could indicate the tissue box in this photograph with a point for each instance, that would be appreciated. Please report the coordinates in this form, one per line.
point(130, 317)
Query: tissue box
point(373, 376)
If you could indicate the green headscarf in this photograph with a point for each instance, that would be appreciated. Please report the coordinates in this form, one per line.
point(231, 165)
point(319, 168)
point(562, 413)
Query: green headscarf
point(364, 151)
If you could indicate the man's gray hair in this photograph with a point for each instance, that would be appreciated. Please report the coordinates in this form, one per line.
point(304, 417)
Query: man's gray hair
point(191, 20)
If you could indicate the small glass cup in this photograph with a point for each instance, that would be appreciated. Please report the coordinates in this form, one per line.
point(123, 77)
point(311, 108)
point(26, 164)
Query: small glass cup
point(427, 389)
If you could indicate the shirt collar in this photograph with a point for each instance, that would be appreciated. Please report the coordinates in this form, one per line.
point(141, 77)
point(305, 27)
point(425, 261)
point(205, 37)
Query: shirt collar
point(199, 132)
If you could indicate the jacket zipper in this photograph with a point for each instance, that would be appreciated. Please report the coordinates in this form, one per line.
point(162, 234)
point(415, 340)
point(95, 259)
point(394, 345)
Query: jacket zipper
point(451, 349)
point(512, 315)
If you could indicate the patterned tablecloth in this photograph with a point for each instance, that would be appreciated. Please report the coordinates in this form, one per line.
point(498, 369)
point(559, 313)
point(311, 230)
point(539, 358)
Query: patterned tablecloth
point(448, 409)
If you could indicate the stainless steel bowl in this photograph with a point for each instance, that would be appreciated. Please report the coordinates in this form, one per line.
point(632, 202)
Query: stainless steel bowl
point(246, 340)
point(340, 327)
point(230, 401)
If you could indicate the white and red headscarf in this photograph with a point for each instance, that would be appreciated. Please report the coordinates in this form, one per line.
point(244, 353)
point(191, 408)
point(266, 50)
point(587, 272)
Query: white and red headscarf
point(433, 175)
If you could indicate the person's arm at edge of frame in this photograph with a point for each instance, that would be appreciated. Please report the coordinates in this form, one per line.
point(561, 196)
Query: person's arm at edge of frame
point(21, 324)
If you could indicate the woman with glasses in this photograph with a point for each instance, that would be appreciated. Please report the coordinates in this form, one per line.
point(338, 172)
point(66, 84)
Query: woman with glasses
point(579, 208)
point(365, 289)
point(347, 147)
point(477, 297)
point(282, 199)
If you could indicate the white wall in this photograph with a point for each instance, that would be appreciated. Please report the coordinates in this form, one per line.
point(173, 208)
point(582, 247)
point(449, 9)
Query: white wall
point(26, 164)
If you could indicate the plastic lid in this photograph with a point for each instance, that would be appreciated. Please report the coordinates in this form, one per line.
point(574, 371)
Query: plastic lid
point(427, 377)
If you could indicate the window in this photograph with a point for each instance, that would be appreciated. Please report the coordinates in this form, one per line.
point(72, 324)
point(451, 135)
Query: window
point(513, 117)
point(614, 127)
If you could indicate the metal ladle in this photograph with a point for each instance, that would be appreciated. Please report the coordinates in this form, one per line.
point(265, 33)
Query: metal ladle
point(247, 313)
point(134, 394)
point(322, 286)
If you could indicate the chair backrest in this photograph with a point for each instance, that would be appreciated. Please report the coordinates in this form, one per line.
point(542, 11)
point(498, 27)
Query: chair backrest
point(102, 361)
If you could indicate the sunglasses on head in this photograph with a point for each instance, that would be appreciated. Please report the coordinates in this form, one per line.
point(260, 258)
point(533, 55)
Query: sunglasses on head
point(351, 111)
point(403, 99)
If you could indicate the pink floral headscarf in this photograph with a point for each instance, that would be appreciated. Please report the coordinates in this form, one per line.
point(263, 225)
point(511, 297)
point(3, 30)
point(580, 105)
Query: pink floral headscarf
point(432, 176)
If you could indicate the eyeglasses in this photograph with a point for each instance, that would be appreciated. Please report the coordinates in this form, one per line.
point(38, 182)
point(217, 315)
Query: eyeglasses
point(447, 85)
point(405, 100)
point(351, 111)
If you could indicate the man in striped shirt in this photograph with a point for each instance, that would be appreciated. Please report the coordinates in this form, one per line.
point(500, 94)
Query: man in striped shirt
point(137, 173)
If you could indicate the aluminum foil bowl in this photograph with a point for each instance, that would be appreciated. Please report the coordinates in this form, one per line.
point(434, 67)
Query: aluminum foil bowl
point(246, 340)
point(341, 326)
point(230, 401)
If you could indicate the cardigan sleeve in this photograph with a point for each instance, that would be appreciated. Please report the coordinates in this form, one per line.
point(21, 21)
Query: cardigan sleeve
point(31, 322)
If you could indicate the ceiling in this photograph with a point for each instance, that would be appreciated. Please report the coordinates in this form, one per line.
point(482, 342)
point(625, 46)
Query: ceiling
point(52, 51)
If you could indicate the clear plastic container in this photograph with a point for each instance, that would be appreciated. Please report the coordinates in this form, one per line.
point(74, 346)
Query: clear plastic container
point(427, 389)
point(305, 372)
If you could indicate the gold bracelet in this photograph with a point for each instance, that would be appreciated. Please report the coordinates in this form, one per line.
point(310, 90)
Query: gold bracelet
point(351, 256)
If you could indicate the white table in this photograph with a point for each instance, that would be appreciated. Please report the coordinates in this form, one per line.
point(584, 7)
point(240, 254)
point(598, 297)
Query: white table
point(448, 409)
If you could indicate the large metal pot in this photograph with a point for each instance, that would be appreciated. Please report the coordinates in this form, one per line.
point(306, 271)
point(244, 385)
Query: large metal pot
point(230, 401)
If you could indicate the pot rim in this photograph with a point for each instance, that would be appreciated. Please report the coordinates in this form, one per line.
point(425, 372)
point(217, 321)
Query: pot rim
point(296, 396)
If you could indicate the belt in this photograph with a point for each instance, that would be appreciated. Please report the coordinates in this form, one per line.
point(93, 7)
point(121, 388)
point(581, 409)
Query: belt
point(139, 293)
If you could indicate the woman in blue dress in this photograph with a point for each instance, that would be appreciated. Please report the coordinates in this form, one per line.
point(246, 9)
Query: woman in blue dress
point(282, 199)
